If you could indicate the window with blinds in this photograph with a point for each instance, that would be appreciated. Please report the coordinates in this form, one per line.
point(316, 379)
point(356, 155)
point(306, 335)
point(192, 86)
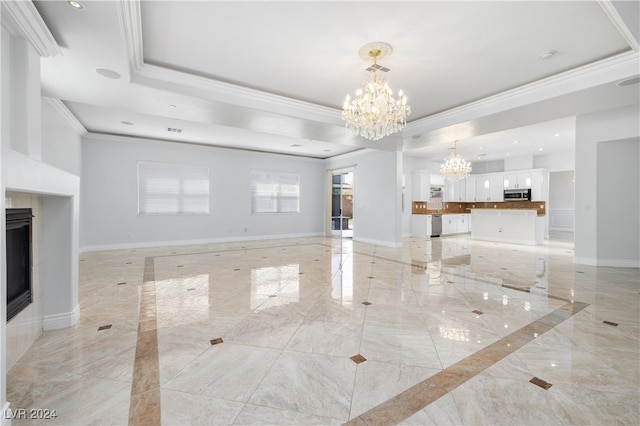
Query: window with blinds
point(275, 192)
point(172, 189)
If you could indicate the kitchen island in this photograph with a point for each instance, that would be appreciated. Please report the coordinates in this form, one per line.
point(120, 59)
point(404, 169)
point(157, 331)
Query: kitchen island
point(517, 226)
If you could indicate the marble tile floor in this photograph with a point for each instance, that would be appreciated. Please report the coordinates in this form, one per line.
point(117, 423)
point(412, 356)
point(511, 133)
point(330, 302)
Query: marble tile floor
point(452, 331)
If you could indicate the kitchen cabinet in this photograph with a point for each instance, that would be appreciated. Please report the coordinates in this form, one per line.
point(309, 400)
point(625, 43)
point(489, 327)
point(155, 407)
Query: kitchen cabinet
point(470, 189)
point(517, 180)
point(490, 187)
point(455, 191)
point(421, 185)
point(421, 225)
point(538, 185)
point(455, 224)
point(422, 182)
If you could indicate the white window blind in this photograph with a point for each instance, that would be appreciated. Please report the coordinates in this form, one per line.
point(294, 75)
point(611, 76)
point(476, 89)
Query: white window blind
point(275, 192)
point(167, 188)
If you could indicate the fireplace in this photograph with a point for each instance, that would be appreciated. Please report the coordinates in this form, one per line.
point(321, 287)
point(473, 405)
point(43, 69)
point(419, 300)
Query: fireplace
point(19, 260)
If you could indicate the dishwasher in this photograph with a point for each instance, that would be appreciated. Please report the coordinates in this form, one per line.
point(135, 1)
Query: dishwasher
point(436, 225)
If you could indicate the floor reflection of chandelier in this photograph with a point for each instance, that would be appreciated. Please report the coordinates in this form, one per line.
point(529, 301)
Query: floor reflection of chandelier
point(455, 168)
point(374, 113)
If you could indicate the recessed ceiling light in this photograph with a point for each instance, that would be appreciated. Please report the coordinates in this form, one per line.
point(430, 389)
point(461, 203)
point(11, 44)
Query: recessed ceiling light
point(556, 135)
point(75, 4)
point(481, 148)
point(629, 81)
point(128, 123)
point(508, 154)
point(106, 72)
point(326, 150)
point(296, 145)
point(173, 106)
point(516, 141)
point(539, 149)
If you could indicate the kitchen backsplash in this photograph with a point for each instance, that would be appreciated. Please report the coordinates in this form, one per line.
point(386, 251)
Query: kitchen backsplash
point(422, 207)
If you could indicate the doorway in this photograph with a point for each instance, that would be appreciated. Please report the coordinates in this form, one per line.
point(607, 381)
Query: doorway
point(342, 203)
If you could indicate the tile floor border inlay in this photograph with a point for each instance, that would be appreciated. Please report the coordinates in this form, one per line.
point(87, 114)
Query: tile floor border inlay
point(417, 397)
point(144, 407)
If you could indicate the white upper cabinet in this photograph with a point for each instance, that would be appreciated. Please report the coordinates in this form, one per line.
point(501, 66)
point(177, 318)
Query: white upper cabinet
point(470, 189)
point(455, 191)
point(517, 180)
point(421, 185)
point(490, 187)
point(538, 181)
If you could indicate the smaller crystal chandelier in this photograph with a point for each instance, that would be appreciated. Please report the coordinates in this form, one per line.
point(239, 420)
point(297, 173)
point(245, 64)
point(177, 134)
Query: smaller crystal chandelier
point(455, 168)
point(374, 113)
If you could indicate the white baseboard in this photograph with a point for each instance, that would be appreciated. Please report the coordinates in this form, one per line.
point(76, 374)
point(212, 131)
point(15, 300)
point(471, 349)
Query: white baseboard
point(6, 415)
point(613, 263)
point(194, 242)
point(67, 319)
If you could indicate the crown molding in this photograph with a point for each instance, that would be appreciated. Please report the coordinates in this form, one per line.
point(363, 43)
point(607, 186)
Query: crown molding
point(25, 22)
point(131, 28)
point(605, 71)
point(617, 21)
point(62, 109)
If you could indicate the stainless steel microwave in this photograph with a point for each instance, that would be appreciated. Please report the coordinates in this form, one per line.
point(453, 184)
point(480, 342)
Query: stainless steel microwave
point(517, 194)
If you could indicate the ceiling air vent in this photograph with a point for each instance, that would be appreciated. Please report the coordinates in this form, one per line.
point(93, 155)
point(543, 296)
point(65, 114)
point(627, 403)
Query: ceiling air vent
point(173, 130)
point(378, 68)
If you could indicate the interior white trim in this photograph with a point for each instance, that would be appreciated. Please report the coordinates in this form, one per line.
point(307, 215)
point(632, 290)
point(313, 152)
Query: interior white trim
point(26, 20)
point(152, 244)
point(56, 321)
point(62, 109)
point(605, 71)
point(131, 23)
point(612, 13)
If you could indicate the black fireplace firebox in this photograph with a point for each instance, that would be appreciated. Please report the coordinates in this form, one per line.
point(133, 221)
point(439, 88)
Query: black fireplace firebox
point(19, 255)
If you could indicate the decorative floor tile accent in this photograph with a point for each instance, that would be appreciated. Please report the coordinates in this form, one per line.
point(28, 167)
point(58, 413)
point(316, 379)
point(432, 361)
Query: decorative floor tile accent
point(477, 312)
point(366, 303)
point(358, 359)
point(539, 382)
point(216, 341)
point(122, 283)
point(104, 327)
point(180, 266)
point(273, 295)
point(371, 278)
point(615, 324)
point(128, 263)
point(191, 289)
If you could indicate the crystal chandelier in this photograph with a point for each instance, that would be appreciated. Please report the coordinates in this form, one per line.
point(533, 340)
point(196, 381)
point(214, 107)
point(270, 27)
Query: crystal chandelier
point(374, 113)
point(455, 168)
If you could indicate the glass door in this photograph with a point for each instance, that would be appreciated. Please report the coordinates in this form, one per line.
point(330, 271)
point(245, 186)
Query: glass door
point(342, 204)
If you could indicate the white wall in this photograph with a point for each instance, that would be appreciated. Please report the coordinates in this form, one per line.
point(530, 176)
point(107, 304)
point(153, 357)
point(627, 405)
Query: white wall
point(556, 161)
point(518, 163)
point(618, 201)
point(561, 208)
point(61, 142)
point(110, 205)
point(377, 187)
point(592, 129)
